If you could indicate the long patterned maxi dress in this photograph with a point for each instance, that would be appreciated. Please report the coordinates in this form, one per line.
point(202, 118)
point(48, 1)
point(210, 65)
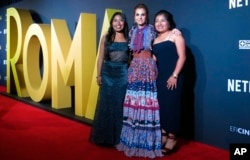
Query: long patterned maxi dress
point(141, 134)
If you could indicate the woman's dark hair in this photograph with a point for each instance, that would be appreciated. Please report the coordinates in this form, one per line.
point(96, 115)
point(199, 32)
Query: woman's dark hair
point(168, 16)
point(143, 6)
point(111, 32)
point(110, 37)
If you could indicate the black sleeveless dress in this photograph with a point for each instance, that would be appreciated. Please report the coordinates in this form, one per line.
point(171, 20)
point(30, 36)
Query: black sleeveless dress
point(169, 100)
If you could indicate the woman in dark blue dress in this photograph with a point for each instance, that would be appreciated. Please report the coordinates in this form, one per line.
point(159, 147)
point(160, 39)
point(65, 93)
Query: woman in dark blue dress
point(112, 69)
point(169, 49)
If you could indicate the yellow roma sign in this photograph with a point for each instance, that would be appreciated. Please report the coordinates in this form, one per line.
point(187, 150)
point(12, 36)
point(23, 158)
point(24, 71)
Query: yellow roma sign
point(43, 61)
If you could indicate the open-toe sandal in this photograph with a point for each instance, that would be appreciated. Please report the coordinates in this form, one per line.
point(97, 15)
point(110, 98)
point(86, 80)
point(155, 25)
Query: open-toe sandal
point(170, 145)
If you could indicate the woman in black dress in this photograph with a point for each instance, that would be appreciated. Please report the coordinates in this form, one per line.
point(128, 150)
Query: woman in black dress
point(169, 49)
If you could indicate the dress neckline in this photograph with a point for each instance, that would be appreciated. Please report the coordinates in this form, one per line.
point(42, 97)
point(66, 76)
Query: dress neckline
point(119, 42)
point(164, 42)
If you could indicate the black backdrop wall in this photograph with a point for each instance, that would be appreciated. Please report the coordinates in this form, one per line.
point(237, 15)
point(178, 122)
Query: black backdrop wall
point(216, 103)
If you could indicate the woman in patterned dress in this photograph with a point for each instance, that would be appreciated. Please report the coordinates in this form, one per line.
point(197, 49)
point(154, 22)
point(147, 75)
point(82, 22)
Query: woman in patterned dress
point(141, 133)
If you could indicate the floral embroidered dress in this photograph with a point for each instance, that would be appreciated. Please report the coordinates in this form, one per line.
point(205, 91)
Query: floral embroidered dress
point(141, 133)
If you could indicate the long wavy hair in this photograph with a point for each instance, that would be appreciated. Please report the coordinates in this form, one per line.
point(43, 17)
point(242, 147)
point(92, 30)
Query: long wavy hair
point(110, 37)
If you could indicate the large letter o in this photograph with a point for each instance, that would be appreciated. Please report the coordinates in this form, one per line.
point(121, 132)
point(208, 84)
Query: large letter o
point(37, 76)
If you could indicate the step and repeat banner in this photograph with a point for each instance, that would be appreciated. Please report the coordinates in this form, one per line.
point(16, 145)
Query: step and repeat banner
point(217, 34)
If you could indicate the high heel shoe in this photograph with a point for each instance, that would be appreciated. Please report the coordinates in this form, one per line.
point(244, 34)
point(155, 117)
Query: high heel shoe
point(170, 145)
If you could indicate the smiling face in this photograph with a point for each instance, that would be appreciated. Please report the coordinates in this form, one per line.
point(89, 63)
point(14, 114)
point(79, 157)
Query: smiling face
point(161, 23)
point(118, 23)
point(140, 16)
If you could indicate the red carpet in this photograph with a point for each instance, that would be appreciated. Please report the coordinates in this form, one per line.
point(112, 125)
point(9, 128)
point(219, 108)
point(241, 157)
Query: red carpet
point(30, 133)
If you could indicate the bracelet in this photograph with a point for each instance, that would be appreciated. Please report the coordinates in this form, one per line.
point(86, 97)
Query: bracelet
point(175, 76)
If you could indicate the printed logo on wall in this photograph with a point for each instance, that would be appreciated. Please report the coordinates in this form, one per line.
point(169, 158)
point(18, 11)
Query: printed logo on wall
point(237, 3)
point(244, 44)
point(238, 85)
point(239, 130)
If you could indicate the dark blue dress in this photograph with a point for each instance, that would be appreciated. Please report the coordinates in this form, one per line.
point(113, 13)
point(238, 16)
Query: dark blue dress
point(169, 100)
point(107, 123)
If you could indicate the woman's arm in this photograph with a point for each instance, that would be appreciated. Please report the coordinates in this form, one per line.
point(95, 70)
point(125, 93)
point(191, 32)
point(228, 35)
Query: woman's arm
point(100, 60)
point(181, 51)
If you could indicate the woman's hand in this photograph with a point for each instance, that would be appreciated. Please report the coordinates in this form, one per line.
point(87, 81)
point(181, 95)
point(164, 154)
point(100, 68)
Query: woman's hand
point(99, 80)
point(176, 31)
point(154, 57)
point(172, 83)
